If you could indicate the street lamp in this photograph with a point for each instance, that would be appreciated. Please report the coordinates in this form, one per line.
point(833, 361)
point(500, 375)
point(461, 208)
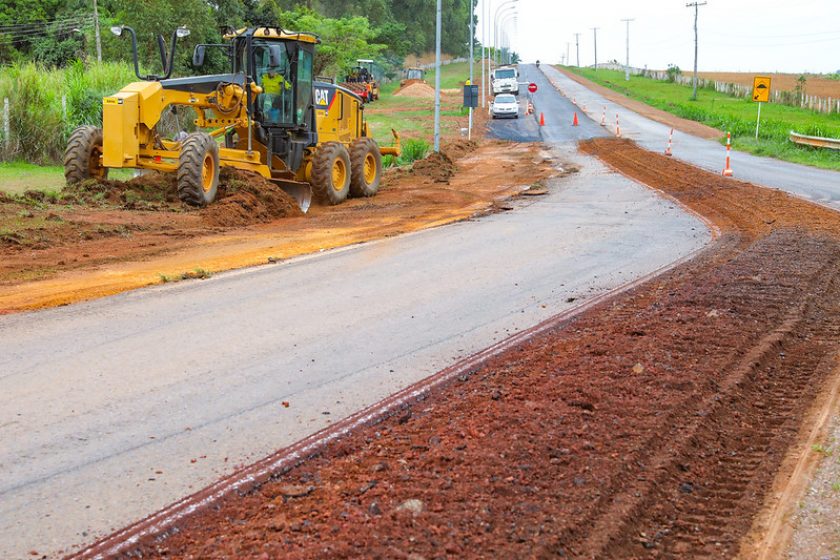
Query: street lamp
point(486, 24)
point(504, 36)
point(507, 11)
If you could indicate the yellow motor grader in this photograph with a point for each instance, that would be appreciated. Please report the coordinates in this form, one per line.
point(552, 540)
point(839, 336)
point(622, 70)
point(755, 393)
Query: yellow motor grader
point(267, 116)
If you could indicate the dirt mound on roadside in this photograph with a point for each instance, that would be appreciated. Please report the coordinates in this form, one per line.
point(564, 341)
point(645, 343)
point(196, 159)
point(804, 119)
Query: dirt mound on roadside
point(457, 149)
point(150, 191)
point(246, 198)
point(438, 166)
point(417, 90)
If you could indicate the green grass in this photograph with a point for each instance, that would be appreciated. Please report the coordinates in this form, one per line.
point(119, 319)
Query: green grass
point(17, 177)
point(452, 75)
point(734, 115)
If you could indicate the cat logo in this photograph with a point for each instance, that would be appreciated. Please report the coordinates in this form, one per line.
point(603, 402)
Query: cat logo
point(322, 97)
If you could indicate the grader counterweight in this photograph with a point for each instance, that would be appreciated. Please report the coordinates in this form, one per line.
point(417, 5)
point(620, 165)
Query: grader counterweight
point(267, 115)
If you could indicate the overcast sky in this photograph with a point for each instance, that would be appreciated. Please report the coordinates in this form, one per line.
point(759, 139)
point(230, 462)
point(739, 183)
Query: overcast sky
point(736, 35)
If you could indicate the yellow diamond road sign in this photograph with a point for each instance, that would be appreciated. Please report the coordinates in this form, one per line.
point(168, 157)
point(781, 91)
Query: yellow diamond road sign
point(761, 89)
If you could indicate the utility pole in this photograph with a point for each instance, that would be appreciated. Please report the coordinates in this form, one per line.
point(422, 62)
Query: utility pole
point(627, 66)
point(577, 48)
point(567, 53)
point(696, 6)
point(96, 27)
point(595, 34)
point(472, 42)
point(483, 45)
point(437, 76)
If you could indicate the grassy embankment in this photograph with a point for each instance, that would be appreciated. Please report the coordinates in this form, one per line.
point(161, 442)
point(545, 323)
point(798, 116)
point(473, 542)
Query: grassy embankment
point(734, 115)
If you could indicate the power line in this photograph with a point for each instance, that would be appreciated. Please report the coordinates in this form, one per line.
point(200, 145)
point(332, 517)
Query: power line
point(58, 27)
point(11, 28)
point(32, 35)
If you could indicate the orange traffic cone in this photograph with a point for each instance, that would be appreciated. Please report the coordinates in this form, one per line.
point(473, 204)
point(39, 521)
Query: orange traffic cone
point(668, 151)
point(727, 170)
point(575, 120)
point(542, 119)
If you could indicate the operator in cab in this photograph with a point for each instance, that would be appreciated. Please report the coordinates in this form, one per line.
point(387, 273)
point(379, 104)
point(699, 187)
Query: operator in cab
point(278, 95)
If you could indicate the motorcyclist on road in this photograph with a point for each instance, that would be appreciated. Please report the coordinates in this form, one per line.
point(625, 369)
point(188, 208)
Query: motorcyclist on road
point(538, 64)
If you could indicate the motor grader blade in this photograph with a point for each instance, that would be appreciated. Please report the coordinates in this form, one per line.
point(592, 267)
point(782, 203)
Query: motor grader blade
point(301, 192)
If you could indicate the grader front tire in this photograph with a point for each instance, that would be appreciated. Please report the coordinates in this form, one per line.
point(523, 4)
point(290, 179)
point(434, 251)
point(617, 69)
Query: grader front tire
point(331, 172)
point(82, 158)
point(198, 169)
point(365, 167)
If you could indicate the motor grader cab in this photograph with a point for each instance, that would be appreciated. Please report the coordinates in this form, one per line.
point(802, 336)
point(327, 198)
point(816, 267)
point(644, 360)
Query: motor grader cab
point(267, 115)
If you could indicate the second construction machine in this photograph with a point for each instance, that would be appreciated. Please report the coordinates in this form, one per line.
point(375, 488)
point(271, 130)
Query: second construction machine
point(267, 115)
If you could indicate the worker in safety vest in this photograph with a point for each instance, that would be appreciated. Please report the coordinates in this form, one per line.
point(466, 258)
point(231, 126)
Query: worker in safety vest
point(274, 83)
point(277, 90)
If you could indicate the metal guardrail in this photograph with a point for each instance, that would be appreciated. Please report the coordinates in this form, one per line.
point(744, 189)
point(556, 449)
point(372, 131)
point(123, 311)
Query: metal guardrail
point(815, 141)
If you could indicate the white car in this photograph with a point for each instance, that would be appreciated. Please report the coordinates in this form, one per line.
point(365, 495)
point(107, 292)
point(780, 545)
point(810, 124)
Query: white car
point(505, 106)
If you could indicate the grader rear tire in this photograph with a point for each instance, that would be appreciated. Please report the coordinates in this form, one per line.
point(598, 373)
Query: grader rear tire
point(365, 167)
point(82, 156)
point(198, 169)
point(331, 173)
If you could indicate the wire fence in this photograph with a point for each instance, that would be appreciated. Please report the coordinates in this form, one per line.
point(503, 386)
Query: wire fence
point(827, 105)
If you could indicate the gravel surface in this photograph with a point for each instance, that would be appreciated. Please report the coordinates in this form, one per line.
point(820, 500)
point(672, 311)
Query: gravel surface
point(817, 531)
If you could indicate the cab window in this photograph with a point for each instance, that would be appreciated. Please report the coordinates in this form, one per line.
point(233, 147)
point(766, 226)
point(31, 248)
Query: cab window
point(272, 72)
point(304, 84)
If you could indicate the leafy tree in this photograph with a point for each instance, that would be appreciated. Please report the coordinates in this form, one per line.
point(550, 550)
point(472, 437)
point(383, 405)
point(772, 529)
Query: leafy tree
point(343, 40)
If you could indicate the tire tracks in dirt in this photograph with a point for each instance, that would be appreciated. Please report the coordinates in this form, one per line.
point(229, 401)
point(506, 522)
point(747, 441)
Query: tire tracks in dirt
point(651, 426)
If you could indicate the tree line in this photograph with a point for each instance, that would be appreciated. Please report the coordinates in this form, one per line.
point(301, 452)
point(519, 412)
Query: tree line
point(57, 32)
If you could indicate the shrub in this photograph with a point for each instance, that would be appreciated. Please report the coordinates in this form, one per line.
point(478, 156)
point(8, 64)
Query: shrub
point(39, 124)
point(412, 150)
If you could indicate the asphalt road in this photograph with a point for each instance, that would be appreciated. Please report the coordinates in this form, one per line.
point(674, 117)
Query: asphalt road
point(817, 185)
point(110, 410)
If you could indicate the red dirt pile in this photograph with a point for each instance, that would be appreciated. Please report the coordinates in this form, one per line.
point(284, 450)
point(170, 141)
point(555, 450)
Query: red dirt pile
point(151, 191)
point(456, 149)
point(246, 198)
point(418, 90)
point(438, 166)
point(651, 426)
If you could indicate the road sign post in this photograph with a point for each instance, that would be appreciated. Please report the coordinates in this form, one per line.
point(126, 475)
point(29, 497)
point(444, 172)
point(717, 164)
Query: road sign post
point(761, 94)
